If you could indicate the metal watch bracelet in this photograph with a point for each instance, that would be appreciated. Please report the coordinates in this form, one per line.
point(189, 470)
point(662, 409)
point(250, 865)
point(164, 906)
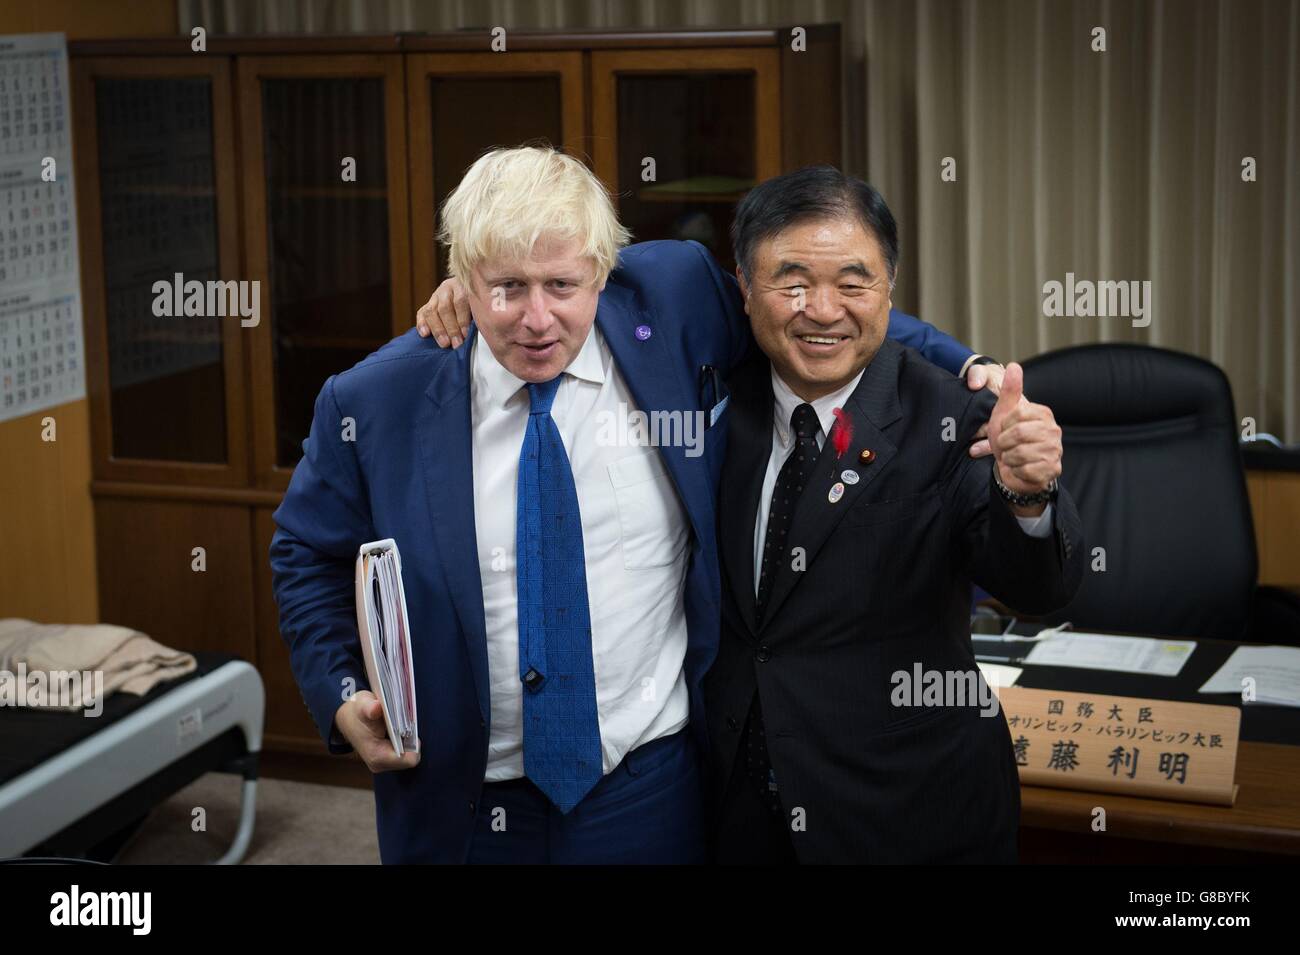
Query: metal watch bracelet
point(1024, 500)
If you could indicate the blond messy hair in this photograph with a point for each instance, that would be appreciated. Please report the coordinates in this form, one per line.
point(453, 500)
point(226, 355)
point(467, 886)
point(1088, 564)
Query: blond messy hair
point(511, 198)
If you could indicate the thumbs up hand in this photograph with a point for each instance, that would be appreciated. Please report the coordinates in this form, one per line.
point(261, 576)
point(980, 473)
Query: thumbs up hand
point(1024, 437)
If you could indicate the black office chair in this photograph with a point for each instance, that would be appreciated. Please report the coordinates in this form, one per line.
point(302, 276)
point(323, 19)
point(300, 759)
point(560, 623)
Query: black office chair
point(1152, 460)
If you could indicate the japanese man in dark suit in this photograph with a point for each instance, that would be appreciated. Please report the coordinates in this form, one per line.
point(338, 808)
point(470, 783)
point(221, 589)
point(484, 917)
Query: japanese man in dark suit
point(852, 525)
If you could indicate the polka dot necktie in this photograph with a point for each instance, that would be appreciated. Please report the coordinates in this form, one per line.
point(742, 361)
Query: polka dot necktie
point(795, 474)
point(562, 753)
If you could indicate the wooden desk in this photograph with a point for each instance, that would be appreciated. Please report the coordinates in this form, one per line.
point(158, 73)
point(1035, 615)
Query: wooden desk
point(1263, 826)
point(1264, 822)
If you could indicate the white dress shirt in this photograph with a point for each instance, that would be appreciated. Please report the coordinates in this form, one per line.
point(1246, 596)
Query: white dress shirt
point(783, 442)
point(635, 537)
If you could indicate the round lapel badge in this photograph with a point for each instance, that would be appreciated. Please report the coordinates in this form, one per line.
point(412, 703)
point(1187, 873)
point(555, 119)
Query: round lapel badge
point(867, 456)
point(849, 476)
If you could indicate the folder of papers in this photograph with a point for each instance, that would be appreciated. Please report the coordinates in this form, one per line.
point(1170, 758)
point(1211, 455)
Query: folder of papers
point(386, 640)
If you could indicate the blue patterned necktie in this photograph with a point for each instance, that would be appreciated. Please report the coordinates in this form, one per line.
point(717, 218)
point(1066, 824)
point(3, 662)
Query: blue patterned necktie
point(561, 728)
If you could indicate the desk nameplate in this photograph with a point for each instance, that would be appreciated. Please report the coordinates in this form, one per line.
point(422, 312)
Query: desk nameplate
point(1139, 747)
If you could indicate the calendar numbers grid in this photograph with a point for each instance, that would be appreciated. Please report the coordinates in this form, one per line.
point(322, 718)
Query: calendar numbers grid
point(41, 345)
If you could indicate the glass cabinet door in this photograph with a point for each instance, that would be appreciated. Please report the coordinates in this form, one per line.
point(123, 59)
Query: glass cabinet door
point(166, 367)
point(461, 105)
point(326, 231)
point(700, 128)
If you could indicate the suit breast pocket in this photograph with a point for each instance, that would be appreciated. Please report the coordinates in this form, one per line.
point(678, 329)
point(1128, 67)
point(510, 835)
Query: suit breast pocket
point(652, 525)
point(900, 547)
point(886, 512)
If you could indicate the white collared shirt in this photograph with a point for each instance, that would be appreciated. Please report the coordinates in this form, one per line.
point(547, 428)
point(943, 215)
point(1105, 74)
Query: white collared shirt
point(635, 538)
point(783, 442)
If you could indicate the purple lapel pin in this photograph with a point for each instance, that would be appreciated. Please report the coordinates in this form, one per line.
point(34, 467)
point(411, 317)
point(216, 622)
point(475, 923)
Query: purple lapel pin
point(642, 332)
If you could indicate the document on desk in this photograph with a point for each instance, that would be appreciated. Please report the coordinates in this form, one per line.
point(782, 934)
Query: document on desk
point(1274, 670)
point(1103, 651)
point(385, 634)
point(999, 674)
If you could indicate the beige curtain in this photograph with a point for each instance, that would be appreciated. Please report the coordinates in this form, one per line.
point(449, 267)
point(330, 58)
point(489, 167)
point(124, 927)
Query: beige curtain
point(1125, 164)
point(1116, 165)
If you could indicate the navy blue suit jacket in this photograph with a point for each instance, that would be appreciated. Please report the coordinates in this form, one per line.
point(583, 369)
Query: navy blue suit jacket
point(408, 475)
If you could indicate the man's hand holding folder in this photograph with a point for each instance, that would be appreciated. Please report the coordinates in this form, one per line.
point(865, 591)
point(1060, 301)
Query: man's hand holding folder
point(381, 725)
point(361, 721)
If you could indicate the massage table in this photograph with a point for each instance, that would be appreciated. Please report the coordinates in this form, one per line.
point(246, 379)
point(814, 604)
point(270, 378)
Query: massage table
point(69, 783)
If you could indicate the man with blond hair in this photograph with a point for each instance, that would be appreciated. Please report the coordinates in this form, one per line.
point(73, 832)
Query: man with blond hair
point(551, 483)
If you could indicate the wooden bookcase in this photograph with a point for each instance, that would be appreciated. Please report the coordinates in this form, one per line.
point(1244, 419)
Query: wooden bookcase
point(227, 165)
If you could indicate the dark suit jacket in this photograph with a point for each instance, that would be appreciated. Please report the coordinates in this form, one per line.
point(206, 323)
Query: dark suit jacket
point(887, 587)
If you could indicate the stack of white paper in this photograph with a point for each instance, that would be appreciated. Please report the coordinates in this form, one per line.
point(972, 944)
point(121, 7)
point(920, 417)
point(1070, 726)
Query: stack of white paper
point(386, 640)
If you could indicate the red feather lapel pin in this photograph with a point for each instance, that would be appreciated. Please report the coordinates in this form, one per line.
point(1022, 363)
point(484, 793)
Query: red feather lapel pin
point(842, 432)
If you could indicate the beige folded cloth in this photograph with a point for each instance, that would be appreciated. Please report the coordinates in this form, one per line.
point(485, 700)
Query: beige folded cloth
point(129, 660)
